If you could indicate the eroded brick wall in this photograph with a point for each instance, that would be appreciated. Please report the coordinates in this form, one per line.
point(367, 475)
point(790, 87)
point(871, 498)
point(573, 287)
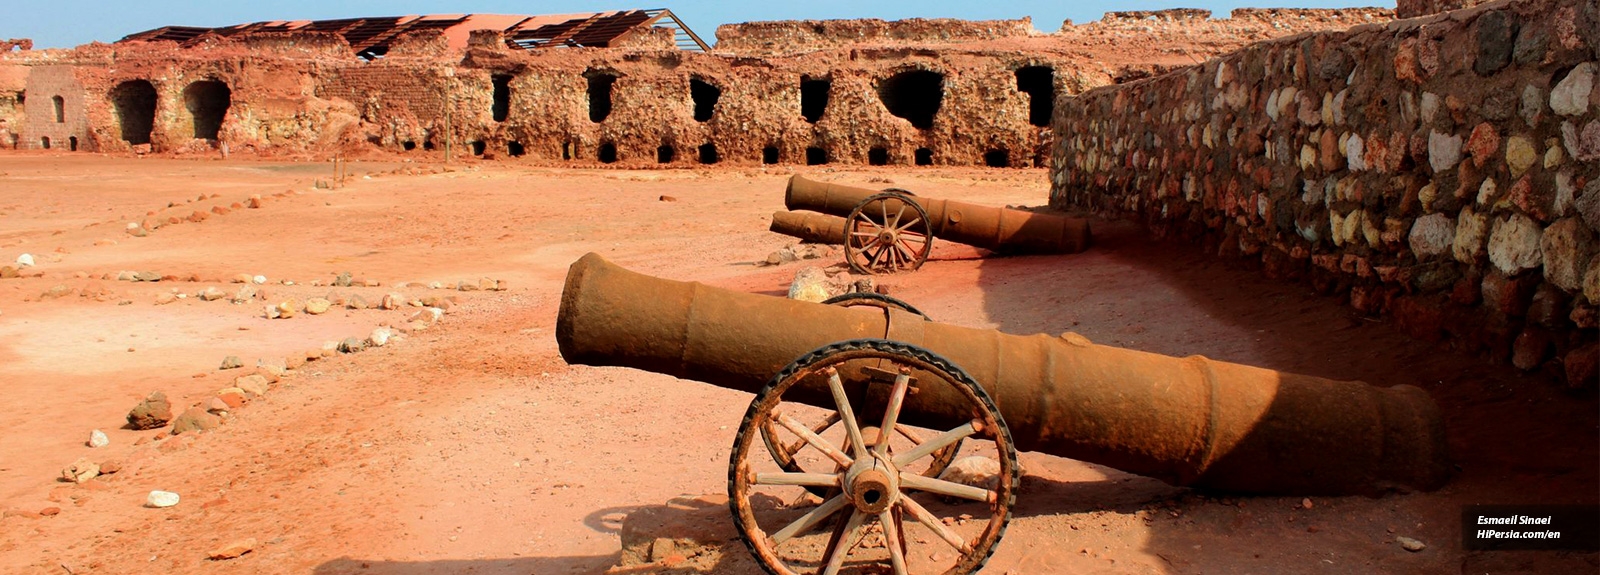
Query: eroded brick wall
point(55, 106)
point(1444, 171)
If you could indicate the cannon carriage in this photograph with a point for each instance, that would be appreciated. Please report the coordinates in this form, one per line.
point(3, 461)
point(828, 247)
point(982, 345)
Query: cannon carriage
point(853, 455)
point(893, 230)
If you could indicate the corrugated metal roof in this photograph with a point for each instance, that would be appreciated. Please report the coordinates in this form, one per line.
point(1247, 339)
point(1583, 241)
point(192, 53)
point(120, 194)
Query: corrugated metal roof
point(370, 37)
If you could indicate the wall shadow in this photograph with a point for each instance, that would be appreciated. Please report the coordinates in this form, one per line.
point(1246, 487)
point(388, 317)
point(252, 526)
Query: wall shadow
point(1513, 437)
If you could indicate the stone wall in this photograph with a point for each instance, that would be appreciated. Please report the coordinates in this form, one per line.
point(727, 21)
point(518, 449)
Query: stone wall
point(1443, 171)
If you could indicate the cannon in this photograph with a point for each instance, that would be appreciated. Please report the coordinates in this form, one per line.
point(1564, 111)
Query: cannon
point(845, 449)
point(893, 230)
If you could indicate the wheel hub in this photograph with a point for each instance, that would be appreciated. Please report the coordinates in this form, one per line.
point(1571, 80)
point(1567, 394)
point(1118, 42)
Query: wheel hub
point(872, 484)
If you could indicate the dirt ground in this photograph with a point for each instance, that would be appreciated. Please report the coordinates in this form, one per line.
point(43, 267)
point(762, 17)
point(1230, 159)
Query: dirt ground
point(471, 447)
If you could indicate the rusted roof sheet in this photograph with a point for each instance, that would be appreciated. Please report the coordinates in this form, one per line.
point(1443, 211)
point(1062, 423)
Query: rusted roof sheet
point(370, 37)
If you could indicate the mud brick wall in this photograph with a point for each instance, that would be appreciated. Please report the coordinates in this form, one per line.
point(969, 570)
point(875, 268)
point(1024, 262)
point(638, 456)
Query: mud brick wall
point(1442, 171)
point(792, 36)
point(64, 129)
point(13, 86)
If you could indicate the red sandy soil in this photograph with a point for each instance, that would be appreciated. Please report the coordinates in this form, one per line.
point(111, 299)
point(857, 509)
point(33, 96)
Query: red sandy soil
point(472, 447)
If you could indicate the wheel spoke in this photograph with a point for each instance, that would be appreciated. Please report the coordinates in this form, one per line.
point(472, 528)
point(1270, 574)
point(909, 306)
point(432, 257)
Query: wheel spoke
point(892, 540)
point(950, 488)
point(852, 534)
point(906, 227)
point(815, 440)
point(897, 216)
point(943, 440)
point(906, 254)
point(800, 479)
point(926, 518)
point(847, 415)
point(793, 448)
point(871, 225)
point(810, 519)
point(891, 414)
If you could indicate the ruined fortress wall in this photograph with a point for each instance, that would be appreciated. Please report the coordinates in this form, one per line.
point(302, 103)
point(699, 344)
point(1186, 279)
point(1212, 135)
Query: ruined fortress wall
point(56, 104)
point(1443, 171)
point(792, 36)
point(13, 91)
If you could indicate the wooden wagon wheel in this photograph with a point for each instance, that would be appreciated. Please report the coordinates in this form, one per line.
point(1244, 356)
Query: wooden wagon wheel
point(887, 233)
point(880, 514)
point(783, 453)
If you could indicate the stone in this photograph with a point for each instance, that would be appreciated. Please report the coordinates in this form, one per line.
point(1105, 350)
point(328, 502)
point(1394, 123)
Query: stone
point(1444, 152)
point(976, 470)
point(1410, 544)
point(1520, 155)
point(242, 279)
point(8, 272)
point(352, 345)
point(1588, 204)
point(1495, 43)
point(161, 499)
point(1530, 349)
point(1331, 158)
point(80, 471)
point(155, 411)
point(25, 261)
point(380, 336)
point(1549, 305)
point(232, 550)
point(1432, 236)
point(357, 302)
point(231, 362)
point(98, 439)
point(258, 280)
point(428, 315)
point(684, 526)
point(318, 306)
point(286, 309)
point(1471, 229)
point(254, 384)
point(1508, 297)
point(1586, 147)
point(1532, 105)
point(1570, 97)
point(1568, 246)
point(810, 284)
point(1483, 144)
point(166, 298)
point(1591, 281)
point(391, 301)
point(195, 419)
point(1354, 149)
point(215, 405)
point(1514, 244)
point(211, 293)
point(232, 397)
point(245, 294)
point(342, 280)
point(55, 292)
point(1583, 367)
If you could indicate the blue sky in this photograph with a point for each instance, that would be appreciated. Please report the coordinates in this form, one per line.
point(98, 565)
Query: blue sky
point(66, 23)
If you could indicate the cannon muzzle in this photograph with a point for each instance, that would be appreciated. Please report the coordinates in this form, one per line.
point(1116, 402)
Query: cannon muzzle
point(1188, 421)
point(811, 227)
point(996, 229)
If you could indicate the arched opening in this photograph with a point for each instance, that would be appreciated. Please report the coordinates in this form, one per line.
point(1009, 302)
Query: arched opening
point(705, 98)
point(599, 94)
point(816, 156)
point(22, 97)
point(814, 97)
point(61, 109)
point(427, 145)
point(408, 145)
point(135, 104)
point(207, 102)
point(914, 95)
point(607, 153)
point(44, 142)
point(478, 147)
point(878, 156)
point(1039, 83)
point(501, 108)
point(515, 149)
point(997, 158)
point(924, 157)
point(665, 154)
point(566, 150)
point(708, 153)
point(72, 143)
point(769, 155)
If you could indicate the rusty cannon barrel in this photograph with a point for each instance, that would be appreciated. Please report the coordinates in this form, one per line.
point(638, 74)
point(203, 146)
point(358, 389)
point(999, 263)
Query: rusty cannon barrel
point(811, 227)
point(996, 229)
point(1188, 421)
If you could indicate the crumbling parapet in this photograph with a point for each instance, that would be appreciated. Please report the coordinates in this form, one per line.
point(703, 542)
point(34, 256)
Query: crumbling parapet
point(1416, 8)
point(797, 36)
point(1442, 172)
point(16, 45)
